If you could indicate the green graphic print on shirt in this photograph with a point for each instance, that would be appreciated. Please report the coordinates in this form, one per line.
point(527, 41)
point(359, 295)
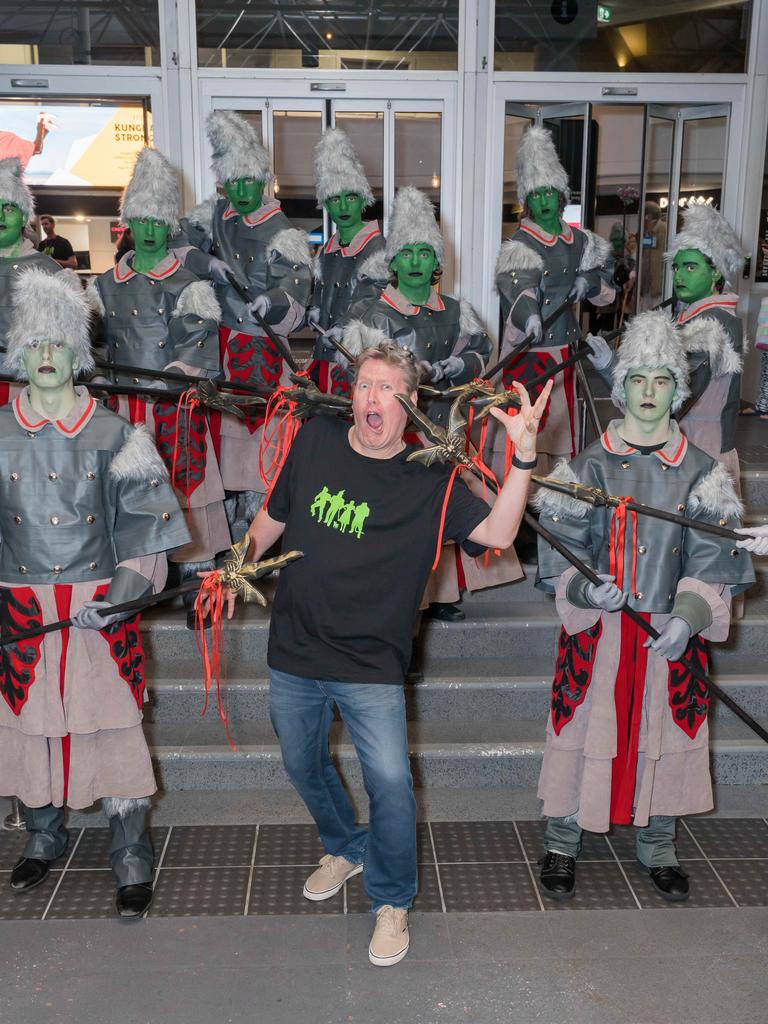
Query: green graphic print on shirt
point(340, 513)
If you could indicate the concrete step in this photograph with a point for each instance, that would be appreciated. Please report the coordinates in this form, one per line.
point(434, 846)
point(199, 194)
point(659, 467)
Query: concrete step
point(440, 764)
point(451, 691)
point(513, 632)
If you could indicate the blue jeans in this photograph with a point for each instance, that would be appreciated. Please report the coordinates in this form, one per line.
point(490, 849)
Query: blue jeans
point(302, 711)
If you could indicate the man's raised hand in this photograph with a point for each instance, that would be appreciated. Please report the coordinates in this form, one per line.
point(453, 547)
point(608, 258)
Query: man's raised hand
point(523, 428)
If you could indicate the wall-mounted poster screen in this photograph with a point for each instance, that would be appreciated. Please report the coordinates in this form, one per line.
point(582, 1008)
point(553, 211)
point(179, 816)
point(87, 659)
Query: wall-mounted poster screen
point(75, 145)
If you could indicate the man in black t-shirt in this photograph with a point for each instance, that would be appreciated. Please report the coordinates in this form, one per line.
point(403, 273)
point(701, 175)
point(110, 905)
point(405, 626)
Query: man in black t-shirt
point(55, 246)
point(368, 522)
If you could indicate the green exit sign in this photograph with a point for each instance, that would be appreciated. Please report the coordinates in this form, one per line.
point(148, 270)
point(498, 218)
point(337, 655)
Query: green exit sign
point(603, 13)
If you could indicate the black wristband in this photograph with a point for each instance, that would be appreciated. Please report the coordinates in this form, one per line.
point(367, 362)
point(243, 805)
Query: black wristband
point(518, 464)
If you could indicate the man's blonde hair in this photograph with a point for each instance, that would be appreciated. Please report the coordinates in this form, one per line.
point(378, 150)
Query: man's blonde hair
point(393, 355)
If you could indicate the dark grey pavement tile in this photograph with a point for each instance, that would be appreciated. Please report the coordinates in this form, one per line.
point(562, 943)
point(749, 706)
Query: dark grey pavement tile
point(313, 995)
point(93, 849)
point(200, 892)
point(203, 846)
point(11, 847)
point(593, 845)
point(469, 841)
point(84, 895)
point(26, 906)
point(730, 837)
point(288, 844)
point(599, 886)
point(705, 889)
point(279, 891)
point(487, 888)
point(747, 882)
point(427, 897)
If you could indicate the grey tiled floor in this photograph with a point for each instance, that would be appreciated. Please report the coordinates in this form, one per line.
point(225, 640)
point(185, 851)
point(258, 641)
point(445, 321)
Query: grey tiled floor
point(464, 867)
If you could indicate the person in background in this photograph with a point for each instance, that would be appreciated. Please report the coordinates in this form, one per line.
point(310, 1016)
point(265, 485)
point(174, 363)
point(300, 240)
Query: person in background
point(55, 246)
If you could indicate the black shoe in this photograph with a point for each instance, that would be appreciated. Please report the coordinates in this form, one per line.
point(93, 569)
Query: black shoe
point(133, 900)
point(28, 873)
point(671, 883)
point(445, 612)
point(558, 876)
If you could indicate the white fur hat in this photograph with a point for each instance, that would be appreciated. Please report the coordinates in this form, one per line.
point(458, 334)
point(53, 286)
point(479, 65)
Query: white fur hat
point(338, 168)
point(153, 190)
point(13, 188)
point(707, 230)
point(237, 149)
point(650, 339)
point(359, 336)
point(413, 221)
point(48, 307)
point(538, 165)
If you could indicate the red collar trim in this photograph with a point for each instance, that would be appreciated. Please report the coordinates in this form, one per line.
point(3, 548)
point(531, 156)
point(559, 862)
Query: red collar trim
point(712, 302)
point(357, 244)
point(170, 269)
point(252, 219)
point(59, 424)
point(124, 272)
point(566, 233)
point(122, 265)
point(434, 302)
point(625, 448)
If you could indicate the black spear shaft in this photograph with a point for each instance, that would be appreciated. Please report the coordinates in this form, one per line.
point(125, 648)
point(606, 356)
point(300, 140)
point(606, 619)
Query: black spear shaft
point(155, 394)
point(336, 344)
point(277, 341)
point(179, 378)
point(522, 347)
point(610, 501)
point(137, 605)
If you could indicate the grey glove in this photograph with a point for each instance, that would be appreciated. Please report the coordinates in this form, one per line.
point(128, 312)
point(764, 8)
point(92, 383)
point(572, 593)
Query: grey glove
point(534, 326)
point(451, 366)
point(218, 269)
point(260, 306)
point(92, 615)
point(607, 596)
point(672, 640)
point(430, 372)
point(756, 539)
point(313, 317)
point(579, 289)
point(602, 353)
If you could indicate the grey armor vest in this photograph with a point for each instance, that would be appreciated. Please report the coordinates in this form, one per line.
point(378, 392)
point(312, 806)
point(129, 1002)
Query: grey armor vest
point(552, 282)
point(64, 518)
point(244, 243)
point(139, 328)
point(701, 374)
point(337, 285)
point(663, 552)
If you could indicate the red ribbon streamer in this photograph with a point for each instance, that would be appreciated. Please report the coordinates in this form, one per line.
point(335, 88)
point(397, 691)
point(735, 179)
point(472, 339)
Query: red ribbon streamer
point(618, 542)
point(188, 402)
point(212, 588)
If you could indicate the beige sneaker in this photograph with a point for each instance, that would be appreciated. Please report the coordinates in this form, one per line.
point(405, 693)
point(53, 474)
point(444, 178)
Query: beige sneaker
point(390, 940)
point(329, 877)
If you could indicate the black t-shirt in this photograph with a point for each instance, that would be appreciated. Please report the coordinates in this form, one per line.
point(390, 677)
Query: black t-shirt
point(368, 529)
point(57, 248)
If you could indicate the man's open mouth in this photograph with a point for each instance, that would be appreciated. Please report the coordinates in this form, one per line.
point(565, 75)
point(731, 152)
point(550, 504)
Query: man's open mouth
point(46, 369)
point(375, 421)
point(648, 405)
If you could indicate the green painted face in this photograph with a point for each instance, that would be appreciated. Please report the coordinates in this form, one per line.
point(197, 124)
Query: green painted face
point(648, 393)
point(414, 266)
point(50, 365)
point(346, 211)
point(12, 222)
point(544, 204)
point(245, 194)
point(693, 276)
point(150, 241)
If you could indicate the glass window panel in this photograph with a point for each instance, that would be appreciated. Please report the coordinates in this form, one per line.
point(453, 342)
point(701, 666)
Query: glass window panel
point(295, 134)
point(341, 34)
point(81, 32)
point(703, 163)
point(655, 231)
point(512, 211)
point(704, 36)
point(418, 141)
point(366, 132)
